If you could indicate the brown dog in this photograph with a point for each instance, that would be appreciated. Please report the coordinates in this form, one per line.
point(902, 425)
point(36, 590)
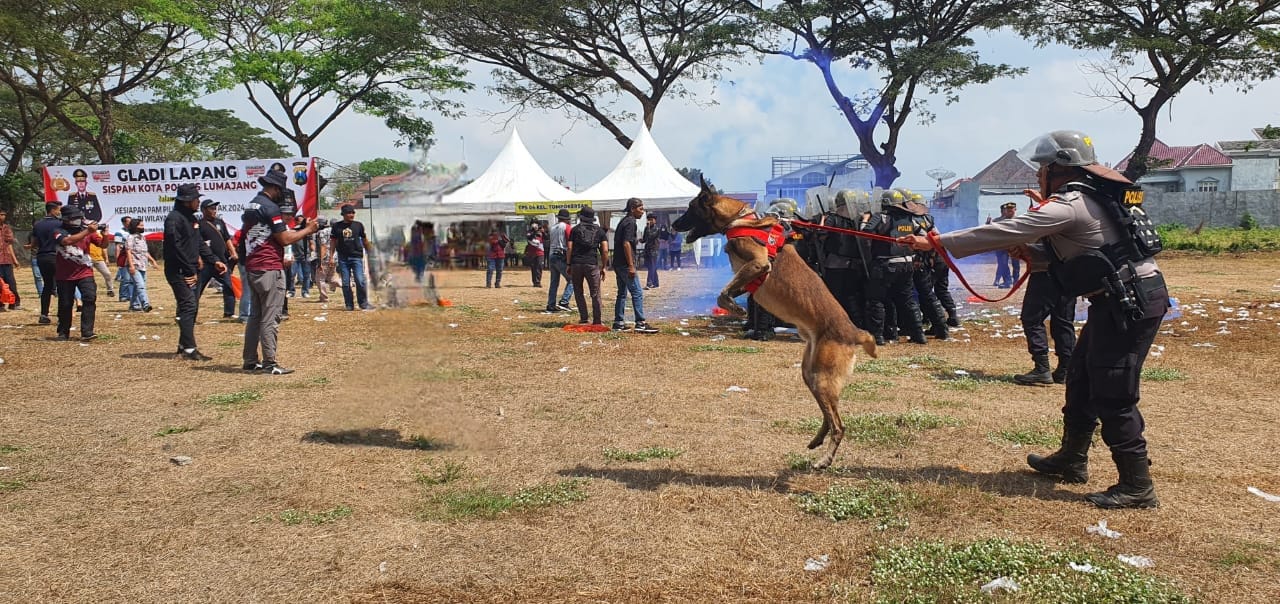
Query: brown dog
point(792, 292)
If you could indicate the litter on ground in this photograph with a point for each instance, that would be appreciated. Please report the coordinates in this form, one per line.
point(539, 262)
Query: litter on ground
point(1004, 583)
point(1136, 561)
point(1100, 529)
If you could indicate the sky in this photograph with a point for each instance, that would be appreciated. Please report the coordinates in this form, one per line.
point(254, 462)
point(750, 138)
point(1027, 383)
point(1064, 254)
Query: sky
point(780, 107)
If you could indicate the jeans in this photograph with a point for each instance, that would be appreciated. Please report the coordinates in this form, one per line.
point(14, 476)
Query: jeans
point(140, 300)
point(209, 273)
point(246, 304)
point(39, 277)
point(651, 266)
point(6, 273)
point(88, 291)
point(353, 267)
point(302, 273)
point(126, 285)
point(628, 284)
point(559, 269)
point(494, 264)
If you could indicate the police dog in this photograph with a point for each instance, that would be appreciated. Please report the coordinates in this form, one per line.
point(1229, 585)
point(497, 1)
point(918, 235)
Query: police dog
point(793, 293)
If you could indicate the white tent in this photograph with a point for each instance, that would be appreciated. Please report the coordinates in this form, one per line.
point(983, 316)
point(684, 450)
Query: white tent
point(644, 172)
point(513, 176)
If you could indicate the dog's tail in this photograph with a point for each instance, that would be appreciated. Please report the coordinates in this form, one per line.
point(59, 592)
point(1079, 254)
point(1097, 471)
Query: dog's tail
point(868, 343)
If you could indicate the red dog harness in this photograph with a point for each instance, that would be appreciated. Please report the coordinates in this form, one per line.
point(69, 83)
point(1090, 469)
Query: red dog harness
point(771, 239)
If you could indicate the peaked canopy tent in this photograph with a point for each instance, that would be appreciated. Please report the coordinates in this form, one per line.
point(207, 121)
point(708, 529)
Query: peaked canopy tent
point(514, 176)
point(643, 172)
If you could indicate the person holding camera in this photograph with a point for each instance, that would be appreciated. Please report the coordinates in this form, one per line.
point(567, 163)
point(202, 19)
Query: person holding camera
point(73, 272)
point(265, 236)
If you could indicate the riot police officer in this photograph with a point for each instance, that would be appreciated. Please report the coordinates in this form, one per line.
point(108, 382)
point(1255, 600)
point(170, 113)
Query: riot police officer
point(1098, 243)
point(844, 268)
point(84, 199)
point(891, 268)
point(922, 274)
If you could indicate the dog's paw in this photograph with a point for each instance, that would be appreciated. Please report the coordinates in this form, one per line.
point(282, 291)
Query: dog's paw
point(727, 303)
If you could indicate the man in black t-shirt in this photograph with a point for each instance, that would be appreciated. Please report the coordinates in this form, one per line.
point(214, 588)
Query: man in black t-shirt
point(349, 242)
point(215, 234)
point(588, 249)
point(624, 270)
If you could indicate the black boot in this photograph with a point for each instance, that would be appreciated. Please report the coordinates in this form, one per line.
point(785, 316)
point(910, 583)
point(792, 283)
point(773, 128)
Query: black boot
point(917, 337)
point(1040, 374)
point(1135, 489)
point(939, 330)
point(1060, 374)
point(1070, 462)
point(952, 320)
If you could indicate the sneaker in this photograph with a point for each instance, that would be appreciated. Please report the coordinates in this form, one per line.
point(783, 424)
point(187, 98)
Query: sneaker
point(645, 328)
point(194, 355)
point(44, 320)
point(306, 295)
point(619, 327)
point(564, 307)
point(146, 308)
point(367, 307)
point(284, 317)
point(289, 294)
point(497, 285)
point(62, 337)
point(110, 293)
point(274, 369)
point(252, 366)
point(227, 315)
point(89, 338)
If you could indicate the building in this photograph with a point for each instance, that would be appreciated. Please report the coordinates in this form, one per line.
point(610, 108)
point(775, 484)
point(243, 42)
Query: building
point(1200, 168)
point(794, 175)
point(1255, 164)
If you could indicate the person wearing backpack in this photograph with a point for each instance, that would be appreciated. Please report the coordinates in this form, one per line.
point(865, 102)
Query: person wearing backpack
point(1088, 227)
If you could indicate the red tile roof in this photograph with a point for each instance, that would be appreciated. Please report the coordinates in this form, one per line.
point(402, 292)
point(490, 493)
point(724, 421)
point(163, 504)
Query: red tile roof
point(1177, 158)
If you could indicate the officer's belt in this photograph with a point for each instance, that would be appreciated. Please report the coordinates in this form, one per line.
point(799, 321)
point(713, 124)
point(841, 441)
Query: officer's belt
point(895, 259)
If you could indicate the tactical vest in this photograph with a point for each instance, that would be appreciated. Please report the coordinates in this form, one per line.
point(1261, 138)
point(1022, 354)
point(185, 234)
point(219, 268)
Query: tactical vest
point(894, 223)
point(840, 244)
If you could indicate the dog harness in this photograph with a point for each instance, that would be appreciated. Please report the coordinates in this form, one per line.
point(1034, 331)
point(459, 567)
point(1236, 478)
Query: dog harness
point(771, 239)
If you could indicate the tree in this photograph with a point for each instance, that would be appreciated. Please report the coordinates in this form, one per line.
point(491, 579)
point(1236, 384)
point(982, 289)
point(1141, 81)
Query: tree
point(915, 46)
point(1176, 43)
point(79, 57)
point(168, 131)
point(312, 60)
point(580, 56)
point(695, 176)
point(382, 166)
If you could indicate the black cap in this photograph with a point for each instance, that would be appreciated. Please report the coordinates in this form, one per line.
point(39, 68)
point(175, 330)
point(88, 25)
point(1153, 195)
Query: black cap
point(587, 212)
point(208, 203)
point(348, 209)
point(79, 173)
point(72, 213)
point(188, 191)
point(563, 214)
point(273, 179)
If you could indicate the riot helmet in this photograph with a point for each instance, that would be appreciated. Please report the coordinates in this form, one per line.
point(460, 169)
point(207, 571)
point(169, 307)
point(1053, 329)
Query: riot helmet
point(891, 197)
point(1062, 147)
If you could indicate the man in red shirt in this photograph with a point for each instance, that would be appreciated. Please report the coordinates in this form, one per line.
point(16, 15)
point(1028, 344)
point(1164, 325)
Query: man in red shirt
point(73, 270)
point(497, 257)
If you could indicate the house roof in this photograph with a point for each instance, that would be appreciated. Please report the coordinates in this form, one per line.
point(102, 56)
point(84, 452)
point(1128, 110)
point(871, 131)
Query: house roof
point(1181, 157)
point(356, 198)
point(1007, 171)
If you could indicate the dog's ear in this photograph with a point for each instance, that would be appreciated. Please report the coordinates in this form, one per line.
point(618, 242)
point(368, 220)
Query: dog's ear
point(703, 180)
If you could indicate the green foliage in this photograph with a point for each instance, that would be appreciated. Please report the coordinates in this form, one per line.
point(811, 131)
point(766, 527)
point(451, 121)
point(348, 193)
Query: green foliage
point(443, 472)
point(933, 571)
point(21, 197)
point(364, 55)
point(865, 389)
point(1219, 240)
point(6, 449)
point(174, 131)
point(644, 454)
point(172, 430)
point(1039, 434)
point(382, 166)
point(720, 348)
point(880, 501)
point(293, 517)
point(797, 462)
point(1162, 374)
point(488, 503)
point(1248, 222)
point(880, 429)
point(12, 485)
point(1270, 132)
point(233, 400)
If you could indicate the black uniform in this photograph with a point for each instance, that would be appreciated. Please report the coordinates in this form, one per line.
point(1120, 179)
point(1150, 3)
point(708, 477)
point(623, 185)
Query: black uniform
point(890, 278)
point(844, 268)
point(88, 203)
point(183, 248)
point(1044, 299)
point(922, 278)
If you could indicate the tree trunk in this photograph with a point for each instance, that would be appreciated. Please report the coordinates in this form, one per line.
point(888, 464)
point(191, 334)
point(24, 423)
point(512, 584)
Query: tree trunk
point(1140, 161)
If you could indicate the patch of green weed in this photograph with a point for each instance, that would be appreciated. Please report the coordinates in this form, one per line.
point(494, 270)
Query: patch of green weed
point(880, 501)
point(886, 429)
point(881, 367)
point(443, 473)
point(417, 441)
point(231, 400)
point(485, 502)
point(11, 449)
point(296, 517)
point(644, 454)
point(939, 572)
point(172, 430)
point(7, 486)
point(720, 348)
point(865, 389)
point(797, 462)
point(1040, 434)
point(230, 344)
point(1162, 374)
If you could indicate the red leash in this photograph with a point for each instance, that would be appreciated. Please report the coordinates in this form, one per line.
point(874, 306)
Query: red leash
point(937, 247)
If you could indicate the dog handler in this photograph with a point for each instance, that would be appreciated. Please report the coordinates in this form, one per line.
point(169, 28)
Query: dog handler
point(1098, 243)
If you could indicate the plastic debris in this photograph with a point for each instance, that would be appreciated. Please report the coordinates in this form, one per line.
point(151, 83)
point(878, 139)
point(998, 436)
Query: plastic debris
point(181, 460)
point(1202, 345)
point(961, 372)
point(382, 567)
point(321, 319)
point(1254, 490)
point(684, 333)
point(155, 337)
point(1082, 568)
point(818, 564)
point(1100, 529)
point(717, 338)
point(453, 325)
point(1136, 561)
point(736, 389)
point(563, 370)
point(1004, 583)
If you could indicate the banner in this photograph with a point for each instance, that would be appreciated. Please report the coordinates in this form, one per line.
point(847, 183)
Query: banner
point(109, 193)
point(538, 208)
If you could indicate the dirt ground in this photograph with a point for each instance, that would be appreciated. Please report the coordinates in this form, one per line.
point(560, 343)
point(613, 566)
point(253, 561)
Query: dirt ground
point(316, 486)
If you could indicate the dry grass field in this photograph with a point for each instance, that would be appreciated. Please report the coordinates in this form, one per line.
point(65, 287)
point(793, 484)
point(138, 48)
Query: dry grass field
point(481, 453)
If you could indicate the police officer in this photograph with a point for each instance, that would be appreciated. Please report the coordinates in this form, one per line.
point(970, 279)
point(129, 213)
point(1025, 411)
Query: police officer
point(891, 266)
point(83, 199)
point(1006, 268)
point(844, 268)
point(922, 274)
point(1080, 232)
point(1044, 299)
